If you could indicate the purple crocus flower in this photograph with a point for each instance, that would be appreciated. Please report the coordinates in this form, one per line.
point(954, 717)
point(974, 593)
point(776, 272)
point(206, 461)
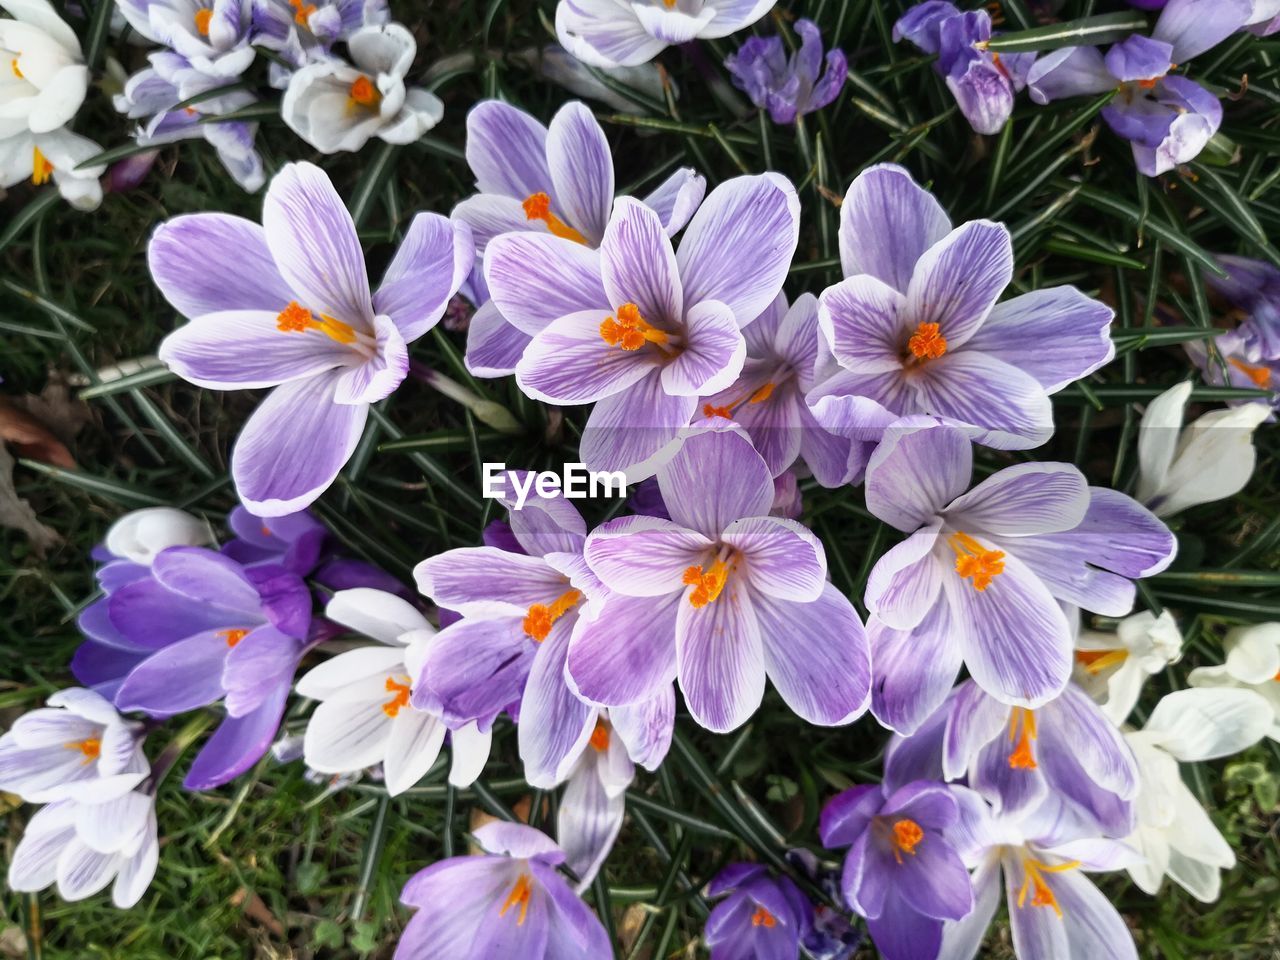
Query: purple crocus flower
point(202, 629)
point(299, 318)
point(594, 803)
point(1263, 21)
point(983, 82)
point(788, 88)
point(1253, 286)
point(1234, 362)
point(720, 596)
point(901, 873)
point(638, 328)
point(1167, 118)
point(301, 32)
point(980, 578)
point(1054, 909)
point(212, 36)
point(785, 355)
point(762, 917)
point(555, 180)
point(509, 901)
point(915, 326)
point(508, 650)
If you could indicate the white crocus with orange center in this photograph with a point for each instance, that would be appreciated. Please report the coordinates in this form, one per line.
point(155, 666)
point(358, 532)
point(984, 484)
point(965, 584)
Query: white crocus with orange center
point(43, 78)
point(1113, 667)
point(365, 717)
point(1252, 662)
point(54, 157)
point(594, 802)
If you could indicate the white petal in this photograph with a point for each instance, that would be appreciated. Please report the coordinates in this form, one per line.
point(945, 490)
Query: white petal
point(414, 745)
point(470, 753)
point(375, 613)
point(1204, 723)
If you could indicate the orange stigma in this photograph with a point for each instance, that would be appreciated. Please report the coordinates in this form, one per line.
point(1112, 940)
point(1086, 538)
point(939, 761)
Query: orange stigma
point(707, 584)
point(519, 895)
point(41, 168)
point(1021, 757)
point(1034, 883)
point(363, 93)
point(91, 747)
point(1095, 661)
point(233, 636)
point(296, 318)
point(204, 17)
point(600, 737)
point(763, 918)
point(630, 331)
point(709, 411)
point(537, 206)
point(401, 699)
point(541, 618)
point(1260, 375)
point(301, 11)
point(906, 837)
point(975, 562)
point(927, 343)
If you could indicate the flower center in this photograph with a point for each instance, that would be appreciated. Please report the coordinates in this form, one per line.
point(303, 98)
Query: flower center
point(520, 892)
point(363, 93)
point(707, 584)
point(301, 11)
point(927, 343)
point(13, 65)
point(1259, 375)
point(1022, 728)
point(906, 837)
point(630, 331)
point(203, 17)
point(541, 618)
point(1095, 661)
point(296, 318)
point(974, 562)
point(91, 747)
point(401, 699)
point(726, 411)
point(600, 737)
point(233, 636)
point(762, 917)
point(1034, 883)
point(41, 168)
point(537, 206)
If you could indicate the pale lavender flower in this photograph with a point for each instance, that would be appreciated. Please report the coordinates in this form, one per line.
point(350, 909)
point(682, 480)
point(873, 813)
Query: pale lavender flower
point(721, 596)
point(299, 317)
point(1235, 362)
point(762, 917)
point(1253, 286)
point(594, 801)
point(788, 87)
point(213, 38)
point(300, 31)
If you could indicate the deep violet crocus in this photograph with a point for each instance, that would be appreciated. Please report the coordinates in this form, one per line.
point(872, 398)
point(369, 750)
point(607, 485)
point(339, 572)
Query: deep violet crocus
point(762, 917)
point(508, 650)
point(639, 328)
point(509, 901)
point(901, 873)
point(915, 326)
point(981, 576)
point(788, 87)
point(555, 180)
point(287, 305)
point(720, 596)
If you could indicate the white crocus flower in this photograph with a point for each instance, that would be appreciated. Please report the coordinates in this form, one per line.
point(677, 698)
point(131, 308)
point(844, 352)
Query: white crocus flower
point(1253, 662)
point(1210, 460)
point(83, 847)
point(140, 535)
point(56, 155)
point(76, 748)
point(365, 716)
point(1174, 833)
point(1112, 667)
point(43, 78)
point(594, 802)
point(337, 106)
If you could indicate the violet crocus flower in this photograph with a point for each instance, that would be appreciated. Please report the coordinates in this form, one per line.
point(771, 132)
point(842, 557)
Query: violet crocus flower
point(983, 82)
point(785, 355)
point(302, 32)
point(980, 578)
point(901, 873)
point(1054, 909)
point(1263, 21)
point(762, 917)
point(1253, 287)
point(508, 650)
point(509, 901)
point(555, 180)
point(299, 318)
point(212, 37)
point(620, 33)
point(1234, 362)
point(915, 326)
point(788, 87)
point(202, 629)
point(720, 596)
point(638, 328)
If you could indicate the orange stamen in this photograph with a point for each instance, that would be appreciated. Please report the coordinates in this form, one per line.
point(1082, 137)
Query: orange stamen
point(975, 562)
point(707, 584)
point(302, 11)
point(1022, 757)
point(363, 93)
point(91, 747)
point(761, 395)
point(233, 636)
point(519, 894)
point(1095, 661)
point(927, 343)
point(13, 65)
point(401, 699)
point(296, 318)
point(763, 918)
point(600, 737)
point(41, 168)
point(1034, 882)
point(630, 331)
point(1259, 375)
point(541, 617)
point(537, 206)
point(204, 17)
point(906, 837)
point(669, 3)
